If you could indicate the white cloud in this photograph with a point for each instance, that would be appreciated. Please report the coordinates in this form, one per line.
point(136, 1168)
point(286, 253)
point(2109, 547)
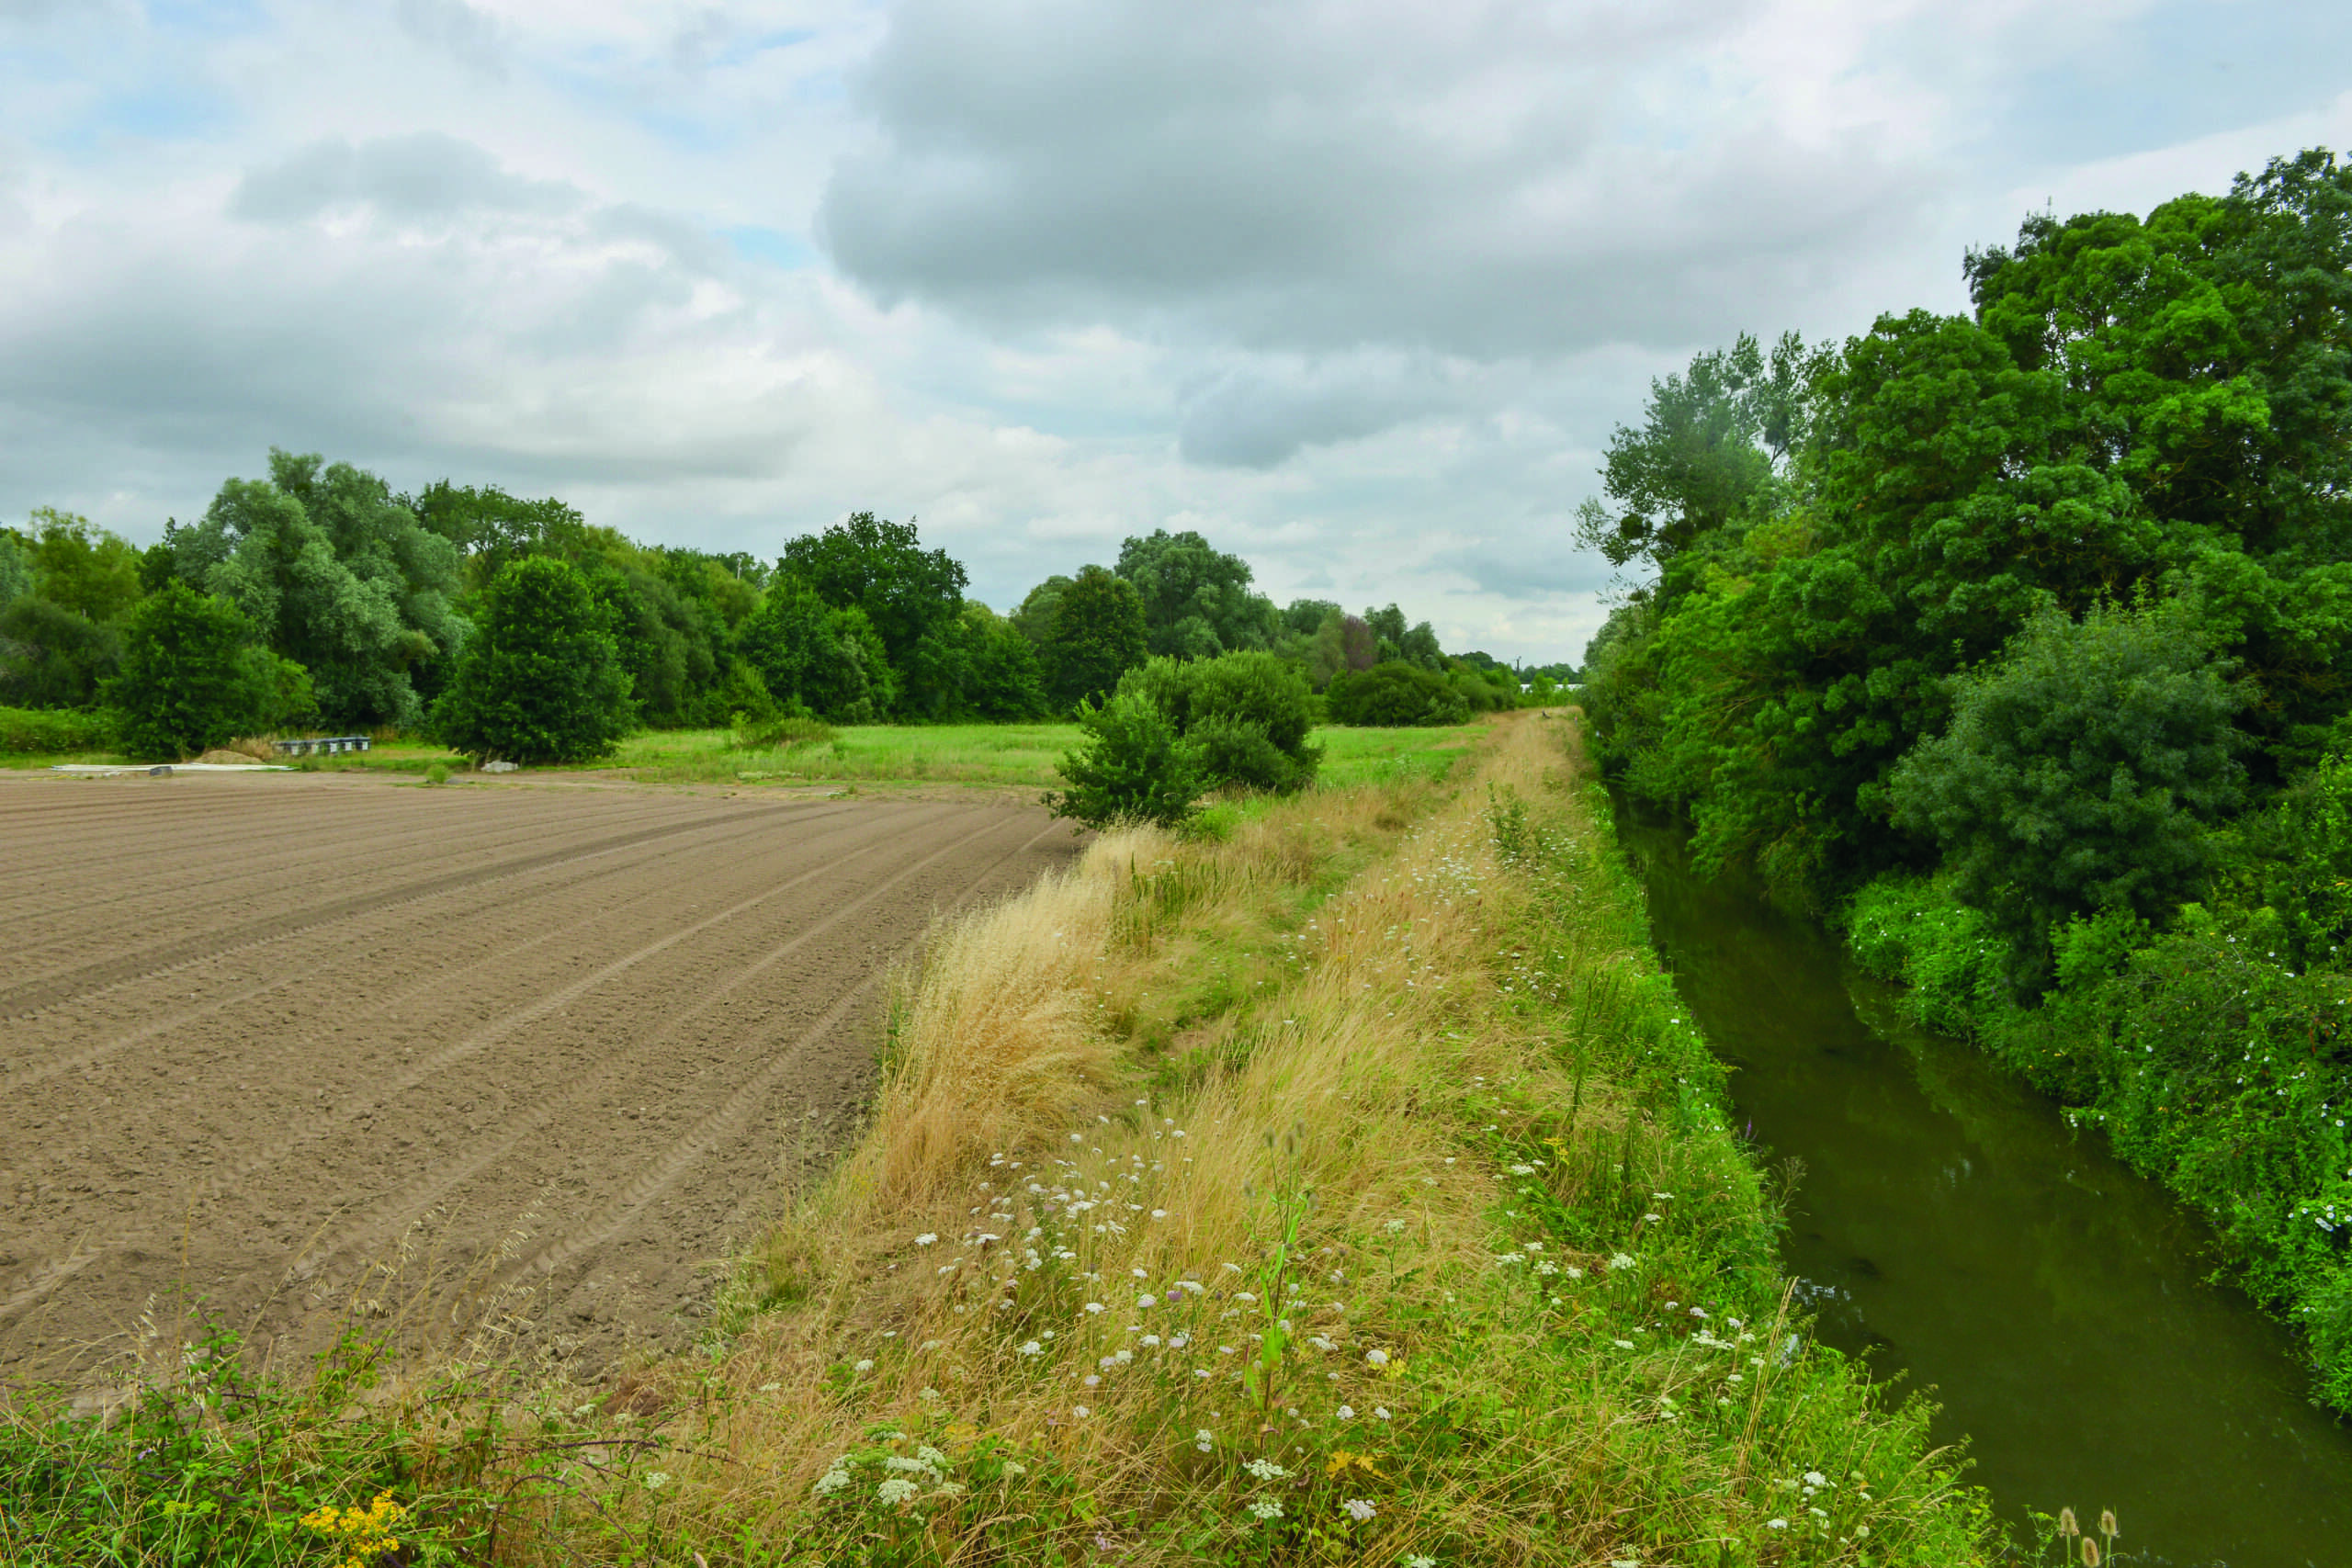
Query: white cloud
point(1356, 289)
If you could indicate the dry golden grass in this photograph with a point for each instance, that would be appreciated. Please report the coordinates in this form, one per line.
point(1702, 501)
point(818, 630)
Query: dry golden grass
point(1151, 1276)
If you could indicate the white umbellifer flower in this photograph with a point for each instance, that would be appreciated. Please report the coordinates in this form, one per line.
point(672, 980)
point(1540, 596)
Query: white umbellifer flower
point(1091, 1381)
point(770, 1387)
point(1380, 1413)
point(1266, 1470)
point(1621, 1260)
point(1265, 1508)
point(865, 1365)
point(1080, 1411)
point(926, 1238)
point(1814, 1478)
point(832, 1481)
point(1622, 1344)
point(1347, 1412)
point(1094, 1308)
point(1146, 1300)
point(1420, 1562)
point(1360, 1510)
point(1205, 1439)
point(1776, 1524)
point(898, 1489)
point(1149, 1341)
point(1375, 1358)
point(656, 1479)
point(906, 1466)
point(1031, 1349)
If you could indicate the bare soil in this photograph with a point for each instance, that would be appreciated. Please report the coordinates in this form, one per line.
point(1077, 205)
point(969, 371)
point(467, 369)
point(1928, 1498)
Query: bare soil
point(278, 1048)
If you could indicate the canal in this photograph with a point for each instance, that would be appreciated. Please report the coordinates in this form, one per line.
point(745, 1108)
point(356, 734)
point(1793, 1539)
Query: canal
point(1950, 1226)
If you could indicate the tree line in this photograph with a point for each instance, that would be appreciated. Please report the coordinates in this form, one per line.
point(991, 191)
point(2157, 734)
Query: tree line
point(2020, 640)
point(319, 597)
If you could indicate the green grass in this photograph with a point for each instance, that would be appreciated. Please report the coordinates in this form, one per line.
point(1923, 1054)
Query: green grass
point(1021, 756)
point(1016, 755)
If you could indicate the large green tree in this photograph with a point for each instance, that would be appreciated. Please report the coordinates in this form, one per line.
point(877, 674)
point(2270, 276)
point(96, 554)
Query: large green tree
point(910, 596)
point(193, 675)
point(336, 575)
point(1097, 636)
point(542, 680)
point(1196, 599)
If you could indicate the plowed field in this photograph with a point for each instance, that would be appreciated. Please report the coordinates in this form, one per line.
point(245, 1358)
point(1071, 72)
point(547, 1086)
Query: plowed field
point(280, 1043)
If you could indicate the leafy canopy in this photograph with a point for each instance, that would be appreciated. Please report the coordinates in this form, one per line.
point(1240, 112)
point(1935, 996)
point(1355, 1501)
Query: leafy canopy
point(542, 680)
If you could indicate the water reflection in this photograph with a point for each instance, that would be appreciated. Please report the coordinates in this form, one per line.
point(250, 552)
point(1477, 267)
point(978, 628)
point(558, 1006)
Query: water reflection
point(1950, 1224)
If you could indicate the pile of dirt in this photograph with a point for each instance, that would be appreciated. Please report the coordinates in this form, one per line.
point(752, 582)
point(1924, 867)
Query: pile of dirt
point(221, 754)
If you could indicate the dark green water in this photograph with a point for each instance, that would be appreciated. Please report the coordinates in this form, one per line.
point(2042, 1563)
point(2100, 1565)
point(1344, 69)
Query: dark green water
point(1950, 1224)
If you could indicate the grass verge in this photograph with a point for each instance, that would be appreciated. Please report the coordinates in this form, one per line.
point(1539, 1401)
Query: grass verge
point(1343, 1191)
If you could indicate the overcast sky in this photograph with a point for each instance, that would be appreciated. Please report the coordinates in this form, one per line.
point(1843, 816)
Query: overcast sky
point(1356, 287)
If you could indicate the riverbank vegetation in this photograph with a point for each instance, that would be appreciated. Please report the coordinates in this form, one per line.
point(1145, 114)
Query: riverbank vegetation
point(1340, 1182)
point(2016, 640)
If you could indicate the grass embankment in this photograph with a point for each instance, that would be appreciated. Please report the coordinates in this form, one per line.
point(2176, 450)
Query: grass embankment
point(1346, 1189)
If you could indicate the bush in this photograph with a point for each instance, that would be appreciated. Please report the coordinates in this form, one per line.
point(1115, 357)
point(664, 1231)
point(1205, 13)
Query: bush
point(1245, 716)
point(542, 680)
point(2079, 773)
point(192, 677)
point(1132, 767)
point(51, 657)
point(42, 731)
point(1393, 695)
point(783, 727)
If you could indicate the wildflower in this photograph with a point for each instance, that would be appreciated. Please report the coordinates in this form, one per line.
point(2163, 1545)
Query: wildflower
point(1347, 1412)
point(1149, 1341)
point(926, 1238)
point(1266, 1509)
point(1094, 1308)
point(1160, 1213)
point(1380, 1413)
point(1621, 1260)
point(1266, 1470)
point(1420, 1562)
point(865, 1365)
point(1375, 1358)
point(1031, 1349)
point(1203, 1439)
point(1080, 1411)
point(1146, 1300)
point(1622, 1344)
point(1776, 1524)
point(1360, 1510)
point(832, 1481)
point(1814, 1478)
point(898, 1489)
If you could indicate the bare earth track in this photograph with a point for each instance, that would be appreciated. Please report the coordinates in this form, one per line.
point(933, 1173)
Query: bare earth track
point(274, 1044)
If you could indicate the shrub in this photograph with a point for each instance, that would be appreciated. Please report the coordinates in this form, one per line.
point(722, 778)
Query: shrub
point(1245, 716)
point(1132, 767)
point(191, 676)
point(51, 657)
point(40, 730)
point(1393, 695)
point(783, 727)
point(2078, 774)
point(542, 680)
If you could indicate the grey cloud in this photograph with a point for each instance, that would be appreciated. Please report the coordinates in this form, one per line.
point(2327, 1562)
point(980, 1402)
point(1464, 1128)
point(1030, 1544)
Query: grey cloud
point(1540, 566)
point(1302, 177)
point(457, 31)
point(423, 175)
point(1259, 417)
